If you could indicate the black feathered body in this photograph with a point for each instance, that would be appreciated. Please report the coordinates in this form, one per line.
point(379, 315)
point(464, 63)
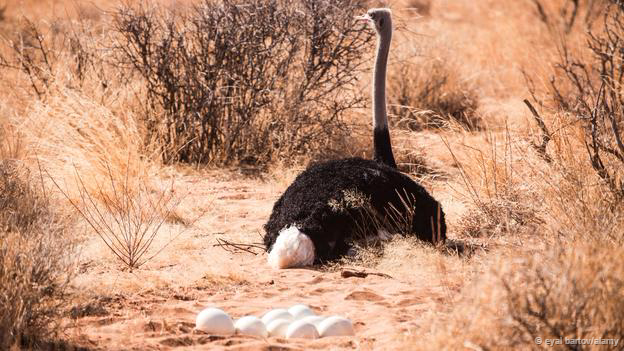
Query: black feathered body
point(320, 203)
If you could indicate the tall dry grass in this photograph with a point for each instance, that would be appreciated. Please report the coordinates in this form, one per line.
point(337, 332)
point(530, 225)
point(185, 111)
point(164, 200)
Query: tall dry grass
point(68, 105)
point(71, 133)
point(567, 292)
point(553, 277)
point(494, 182)
point(548, 258)
point(81, 131)
point(37, 244)
point(429, 90)
point(37, 254)
point(559, 276)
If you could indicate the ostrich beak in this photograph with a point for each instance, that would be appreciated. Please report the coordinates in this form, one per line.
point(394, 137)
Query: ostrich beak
point(364, 17)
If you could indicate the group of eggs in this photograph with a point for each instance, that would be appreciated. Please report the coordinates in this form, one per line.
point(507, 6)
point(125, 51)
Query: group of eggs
point(299, 321)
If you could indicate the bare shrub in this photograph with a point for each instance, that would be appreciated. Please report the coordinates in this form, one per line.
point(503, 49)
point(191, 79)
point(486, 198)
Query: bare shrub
point(582, 181)
point(577, 204)
point(245, 80)
point(428, 93)
point(565, 14)
point(127, 215)
point(58, 54)
point(36, 259)
point(591, 92)
point(31, 53)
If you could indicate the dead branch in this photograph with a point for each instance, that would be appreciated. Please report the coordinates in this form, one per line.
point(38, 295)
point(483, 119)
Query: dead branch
point(572, 19)
point(345, 273)
point(540, 11)
point(232, 247)
point(546, 136)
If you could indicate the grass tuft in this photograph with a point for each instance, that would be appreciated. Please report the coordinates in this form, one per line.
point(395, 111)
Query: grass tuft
point(36, 259)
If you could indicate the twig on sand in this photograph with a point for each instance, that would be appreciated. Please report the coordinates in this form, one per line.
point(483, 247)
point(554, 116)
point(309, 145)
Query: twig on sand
point(237, 247)
point(361, 274)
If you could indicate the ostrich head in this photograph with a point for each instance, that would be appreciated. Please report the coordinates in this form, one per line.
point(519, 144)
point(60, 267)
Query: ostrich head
point(380, 19)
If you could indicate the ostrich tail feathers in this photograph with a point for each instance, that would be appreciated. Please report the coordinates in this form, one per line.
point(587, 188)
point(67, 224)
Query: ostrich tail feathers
point(291, 249)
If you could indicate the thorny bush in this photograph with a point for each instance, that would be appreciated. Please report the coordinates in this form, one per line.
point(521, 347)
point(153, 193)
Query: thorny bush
point(591, 91)
point(247, 81)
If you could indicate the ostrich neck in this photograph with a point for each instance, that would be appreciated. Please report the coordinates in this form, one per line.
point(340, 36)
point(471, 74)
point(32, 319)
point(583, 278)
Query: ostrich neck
point(381, 135)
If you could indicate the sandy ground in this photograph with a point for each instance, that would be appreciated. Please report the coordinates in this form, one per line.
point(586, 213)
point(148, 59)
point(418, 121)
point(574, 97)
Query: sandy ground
point(155, 307)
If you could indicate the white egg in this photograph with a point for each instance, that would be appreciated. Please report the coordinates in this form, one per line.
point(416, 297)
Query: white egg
point(314, 320)
point(251, 325)
point(301, 329)
point(335, 326)
point(214, 321)
point(278, 327)
point(300, 311)
point(278, 313)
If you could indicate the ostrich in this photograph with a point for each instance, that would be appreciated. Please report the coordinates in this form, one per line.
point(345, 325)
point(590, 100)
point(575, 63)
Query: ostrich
point(332, 203)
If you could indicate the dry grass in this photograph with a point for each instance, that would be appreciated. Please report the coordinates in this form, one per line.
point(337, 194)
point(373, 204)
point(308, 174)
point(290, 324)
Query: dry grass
point(430, 93)
point(554, 273)
point(570, 292)
point(72, 132)
point(11, 142)
point(37, 249)
point(591, 95)
point(36, 256)
point(495, 184)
